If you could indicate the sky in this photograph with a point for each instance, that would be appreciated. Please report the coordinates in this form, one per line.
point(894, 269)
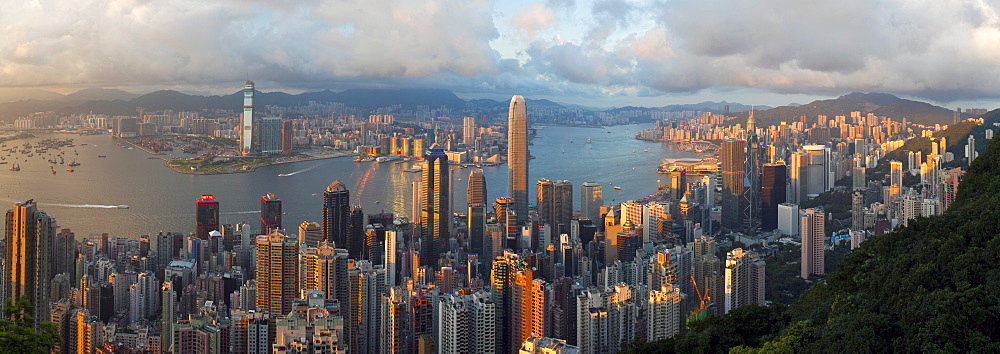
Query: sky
point(591, 52)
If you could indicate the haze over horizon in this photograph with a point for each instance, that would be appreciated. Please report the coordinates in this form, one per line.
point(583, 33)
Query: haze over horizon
point(597, 53)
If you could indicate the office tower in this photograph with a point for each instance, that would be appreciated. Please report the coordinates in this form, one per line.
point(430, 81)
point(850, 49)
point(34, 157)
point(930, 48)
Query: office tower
point(324, 268)
point(857, 211)
point(772, 194)
point(270, 213)
point(813, 223)
point(517, 157)
point(858, 181)
point(435, 215)
point(310, 234)
point(591, 200)
point(477, 188)
point(664, 313)
point(467, 323)
point(287, 136)
point(277, 272)
point(477, 228)
point(28, 259)
point(733, 155)
point(797, 177)
point(744, 279)
point(555, 204)
point(270, 136)
point(336, 214)
point(246, 122)
point(206, 216)
point(896, 173)
point(818, 176)
point(469, 131)
point(527, 307)
point(752, 182)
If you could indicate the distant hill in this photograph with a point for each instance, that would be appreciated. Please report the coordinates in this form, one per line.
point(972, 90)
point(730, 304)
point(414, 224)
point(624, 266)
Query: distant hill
point(714, 107)
point(100, 94)
point(17, 94)
point(880, 104)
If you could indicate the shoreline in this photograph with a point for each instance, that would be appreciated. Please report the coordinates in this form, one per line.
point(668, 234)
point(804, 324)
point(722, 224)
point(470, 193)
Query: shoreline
point(300, 157)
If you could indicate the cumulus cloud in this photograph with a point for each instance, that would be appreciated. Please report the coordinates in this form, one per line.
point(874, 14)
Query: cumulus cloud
point(591, 48)
point(197, 42)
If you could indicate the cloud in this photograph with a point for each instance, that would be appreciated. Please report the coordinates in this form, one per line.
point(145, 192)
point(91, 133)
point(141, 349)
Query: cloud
point(533, 18)
point(589, 48)
point(196, 42)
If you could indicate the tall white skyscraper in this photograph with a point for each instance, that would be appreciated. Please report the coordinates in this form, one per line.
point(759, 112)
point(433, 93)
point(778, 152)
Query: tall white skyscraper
point(467, 323)
point(246, 123)
point(517, 157)
point(469, 131)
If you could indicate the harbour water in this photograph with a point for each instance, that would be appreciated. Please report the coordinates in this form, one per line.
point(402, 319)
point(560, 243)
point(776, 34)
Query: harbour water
point(159, 199)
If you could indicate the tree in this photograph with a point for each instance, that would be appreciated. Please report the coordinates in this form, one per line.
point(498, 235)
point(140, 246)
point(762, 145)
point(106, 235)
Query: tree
point(17, 330)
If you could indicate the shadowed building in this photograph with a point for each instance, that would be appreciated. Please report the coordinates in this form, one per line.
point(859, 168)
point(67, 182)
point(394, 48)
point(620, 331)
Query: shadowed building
point(435, 214)
point(206, 216)
point(336, 213)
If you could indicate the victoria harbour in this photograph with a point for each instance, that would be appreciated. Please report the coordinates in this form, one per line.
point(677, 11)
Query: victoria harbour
point(88, 199)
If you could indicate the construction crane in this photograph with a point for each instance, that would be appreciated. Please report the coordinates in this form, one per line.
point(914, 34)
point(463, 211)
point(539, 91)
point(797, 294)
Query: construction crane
point(703, 298)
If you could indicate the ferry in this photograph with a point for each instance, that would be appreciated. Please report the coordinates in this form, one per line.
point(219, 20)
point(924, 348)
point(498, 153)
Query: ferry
point(123, 206)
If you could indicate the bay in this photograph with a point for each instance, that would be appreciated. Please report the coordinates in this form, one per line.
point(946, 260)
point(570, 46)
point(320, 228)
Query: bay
point(160, 199)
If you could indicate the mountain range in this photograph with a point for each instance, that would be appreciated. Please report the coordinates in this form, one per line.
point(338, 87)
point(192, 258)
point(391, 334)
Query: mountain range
point(18, 103)
point(879, 104)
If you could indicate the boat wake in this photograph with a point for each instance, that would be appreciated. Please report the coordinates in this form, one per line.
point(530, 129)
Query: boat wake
point(296, 172)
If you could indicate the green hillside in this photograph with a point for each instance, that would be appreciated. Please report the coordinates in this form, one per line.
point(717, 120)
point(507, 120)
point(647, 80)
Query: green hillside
point(933, 286)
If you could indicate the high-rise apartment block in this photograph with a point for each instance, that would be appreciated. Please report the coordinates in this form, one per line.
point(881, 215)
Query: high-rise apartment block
point(744, 282)
point(277, 272)
point(812, 228)
point(28, 259)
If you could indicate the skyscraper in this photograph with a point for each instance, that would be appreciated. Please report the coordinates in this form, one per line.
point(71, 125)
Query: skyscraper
point(772, 193)
point(555, 204)
point(591, 200)
point(517, 157)
point(435, 215)
point(324, 268)
point(812, 229)
point(857, 212)
point(467, 323)
point(277, 272)
point(469, 131)
point(818, 177)
point(744, 279)
point(246, 122)
point(477, 188)
point(270, 213)
point(206, 216)
point(270, 135)
point(752, 181)
point(28, 257)
point(336, 213)
point(733, 156)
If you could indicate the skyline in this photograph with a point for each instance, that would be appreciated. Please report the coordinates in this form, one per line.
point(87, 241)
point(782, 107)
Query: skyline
point(605, 53)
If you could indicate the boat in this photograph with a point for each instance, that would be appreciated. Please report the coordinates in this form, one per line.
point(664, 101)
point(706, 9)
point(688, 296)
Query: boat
point(617, 188)
point(646, 150)
point(17, 167)
point(104, 156)
point(3, 163)
point(53, 171)
point(588, 140)
point(123, 206)
point(69, 170)
point(74, 164)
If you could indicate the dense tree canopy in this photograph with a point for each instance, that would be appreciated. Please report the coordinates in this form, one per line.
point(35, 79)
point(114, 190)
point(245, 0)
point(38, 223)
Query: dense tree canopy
point(17, 330)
